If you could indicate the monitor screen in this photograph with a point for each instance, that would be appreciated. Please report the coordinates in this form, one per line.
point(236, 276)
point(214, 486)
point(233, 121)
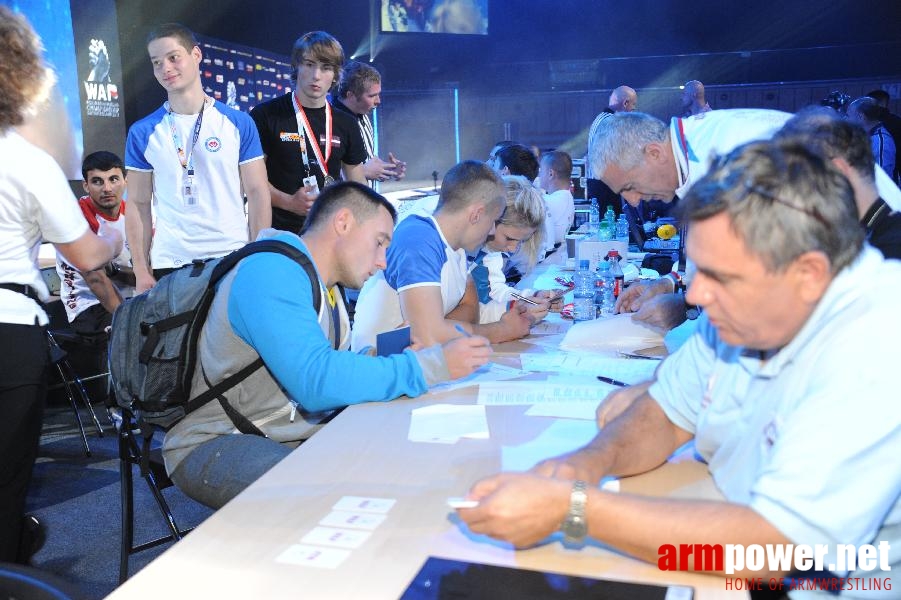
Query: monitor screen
point(467, 17)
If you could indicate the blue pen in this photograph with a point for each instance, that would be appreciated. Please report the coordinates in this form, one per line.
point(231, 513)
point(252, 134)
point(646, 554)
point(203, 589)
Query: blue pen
point(459, 328)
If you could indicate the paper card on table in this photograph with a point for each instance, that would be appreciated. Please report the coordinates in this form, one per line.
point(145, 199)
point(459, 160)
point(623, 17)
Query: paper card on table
point(339, 538)
point(559, 437)
point(447, 423)
point(543, 392)
point(630, 370)
point(354, 520)
point(611, 334)
point(362, 504)
point(488, 372)
point(312, 556)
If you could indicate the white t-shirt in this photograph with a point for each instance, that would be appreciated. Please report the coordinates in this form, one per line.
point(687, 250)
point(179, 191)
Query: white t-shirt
point(35, 203)
point(561, 211)
point(75, 293)
point(216, 224)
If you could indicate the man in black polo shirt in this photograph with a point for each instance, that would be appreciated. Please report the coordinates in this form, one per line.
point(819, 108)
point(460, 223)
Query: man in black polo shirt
point(303, 138)
point(359, 94)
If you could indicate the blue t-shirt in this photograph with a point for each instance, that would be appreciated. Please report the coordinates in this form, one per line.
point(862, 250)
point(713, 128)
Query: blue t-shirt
point(419, 255)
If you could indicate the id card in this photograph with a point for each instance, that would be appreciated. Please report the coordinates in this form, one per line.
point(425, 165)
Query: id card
point(311, 182)
point(189, 191)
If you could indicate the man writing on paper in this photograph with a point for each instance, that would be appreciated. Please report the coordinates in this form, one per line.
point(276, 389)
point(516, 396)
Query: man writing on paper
point(263, 308)
point(799, 319)
point(642, 158)
point(427, 282)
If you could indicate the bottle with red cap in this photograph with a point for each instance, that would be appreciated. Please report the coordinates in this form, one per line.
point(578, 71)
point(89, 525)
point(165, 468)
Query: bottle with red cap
point(616, 271)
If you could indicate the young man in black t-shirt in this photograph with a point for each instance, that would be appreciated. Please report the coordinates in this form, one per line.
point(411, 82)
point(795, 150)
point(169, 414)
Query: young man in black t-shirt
point(303, 137)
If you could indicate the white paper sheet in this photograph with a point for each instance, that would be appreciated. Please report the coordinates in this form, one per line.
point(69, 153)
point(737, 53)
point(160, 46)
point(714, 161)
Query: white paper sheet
point(488, 372)
point(610, 334)
point(510, 393)
point(447, 423)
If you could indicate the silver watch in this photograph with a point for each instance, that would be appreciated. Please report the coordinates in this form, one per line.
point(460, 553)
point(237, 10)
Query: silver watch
point(575, 525)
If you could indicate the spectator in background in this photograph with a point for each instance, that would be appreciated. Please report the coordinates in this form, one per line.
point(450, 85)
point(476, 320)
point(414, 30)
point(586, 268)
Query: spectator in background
point(866, 112)
point(555, 177)
point(195, 159)
point(848, 147)
point(837, 101)
point(622, 99)
point(293, 130)
point(694, 101)
point(359, 94)
point(515, 159)
point(892, 122)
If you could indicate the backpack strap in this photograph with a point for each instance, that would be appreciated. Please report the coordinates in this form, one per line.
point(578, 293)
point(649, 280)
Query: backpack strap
point(225, 265)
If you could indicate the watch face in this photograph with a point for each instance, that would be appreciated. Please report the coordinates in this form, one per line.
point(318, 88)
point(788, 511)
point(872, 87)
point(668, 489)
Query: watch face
point(575, 527)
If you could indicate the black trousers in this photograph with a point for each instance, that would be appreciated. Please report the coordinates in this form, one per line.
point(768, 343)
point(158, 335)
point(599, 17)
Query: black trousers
point(23, 390)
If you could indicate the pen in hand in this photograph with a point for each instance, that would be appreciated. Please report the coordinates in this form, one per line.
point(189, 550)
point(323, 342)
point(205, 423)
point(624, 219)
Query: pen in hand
point(612, 381)
point(522, 298)
point(459, 328)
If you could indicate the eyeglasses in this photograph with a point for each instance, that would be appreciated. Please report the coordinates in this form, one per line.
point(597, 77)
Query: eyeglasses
point(812, 212)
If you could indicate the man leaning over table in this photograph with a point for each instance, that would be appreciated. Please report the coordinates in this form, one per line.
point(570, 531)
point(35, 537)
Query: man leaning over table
point(263, 308)
point(427, 282)
point(642, 158)
point(787, 388)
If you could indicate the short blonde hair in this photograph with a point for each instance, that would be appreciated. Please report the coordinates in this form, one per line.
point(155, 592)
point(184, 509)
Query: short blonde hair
point(525, 208)
point(25, 80)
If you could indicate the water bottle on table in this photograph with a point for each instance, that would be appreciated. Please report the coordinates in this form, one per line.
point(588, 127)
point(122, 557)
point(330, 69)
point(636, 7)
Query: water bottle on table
point(583, 293)
point(604, 300)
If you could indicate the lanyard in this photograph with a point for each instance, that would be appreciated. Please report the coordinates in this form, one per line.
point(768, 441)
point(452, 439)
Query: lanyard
point(368, 136)
point(306, 131)
point(186, 160)
point(683, 144)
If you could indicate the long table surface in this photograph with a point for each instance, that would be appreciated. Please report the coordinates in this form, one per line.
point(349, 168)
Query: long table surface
point(365, 451)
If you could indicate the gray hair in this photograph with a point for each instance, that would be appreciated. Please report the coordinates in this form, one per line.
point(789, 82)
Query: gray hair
point(620, 140)
point(783, 200)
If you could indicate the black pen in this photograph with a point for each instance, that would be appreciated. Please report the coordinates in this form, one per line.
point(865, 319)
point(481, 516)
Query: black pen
point(612, 381)
point(522, 298)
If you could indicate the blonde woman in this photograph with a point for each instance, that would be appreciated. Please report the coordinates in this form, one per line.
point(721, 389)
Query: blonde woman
point(520, 228)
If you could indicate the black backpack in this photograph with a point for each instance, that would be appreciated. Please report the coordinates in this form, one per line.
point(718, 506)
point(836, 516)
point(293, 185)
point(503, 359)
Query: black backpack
point(153, 342)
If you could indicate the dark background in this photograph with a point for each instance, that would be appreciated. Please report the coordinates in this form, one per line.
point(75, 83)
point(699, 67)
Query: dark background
point(539, 45)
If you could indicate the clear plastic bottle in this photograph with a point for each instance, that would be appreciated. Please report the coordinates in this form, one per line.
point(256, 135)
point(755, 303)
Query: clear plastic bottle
point(604, 301)
point(583, 294)
point(594, 214)
point(622, 229)
point(616, 271)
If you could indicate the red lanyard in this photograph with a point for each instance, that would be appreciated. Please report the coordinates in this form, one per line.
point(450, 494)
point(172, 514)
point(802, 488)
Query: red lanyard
point(306, 131)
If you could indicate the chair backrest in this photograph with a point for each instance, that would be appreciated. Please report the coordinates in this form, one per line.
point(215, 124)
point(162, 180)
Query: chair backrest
point(18, 581)
point(51, 278)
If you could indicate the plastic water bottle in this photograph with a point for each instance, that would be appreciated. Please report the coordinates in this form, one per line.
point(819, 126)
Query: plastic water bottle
point(604, 301)
point(594, 214)
point(622, 229)
point(583, 294)
point(610, 217)
point(616, 271)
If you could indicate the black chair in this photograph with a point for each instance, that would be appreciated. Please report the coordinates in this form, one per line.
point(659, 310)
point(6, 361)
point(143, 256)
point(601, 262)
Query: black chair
point(153, 472)
point(71, 382)
point(18, 581)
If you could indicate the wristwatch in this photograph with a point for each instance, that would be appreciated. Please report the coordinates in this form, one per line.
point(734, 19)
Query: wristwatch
point(575, 525)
